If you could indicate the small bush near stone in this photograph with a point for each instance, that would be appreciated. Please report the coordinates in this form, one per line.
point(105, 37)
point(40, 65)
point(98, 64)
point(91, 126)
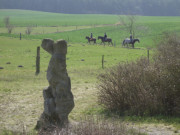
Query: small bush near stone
point(140, 88)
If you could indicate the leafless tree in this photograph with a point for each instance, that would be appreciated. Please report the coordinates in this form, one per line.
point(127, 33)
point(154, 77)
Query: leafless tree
point(28, 30)
point(6, 21)
point(129, 22)
point(10, 28)
point(8, 25)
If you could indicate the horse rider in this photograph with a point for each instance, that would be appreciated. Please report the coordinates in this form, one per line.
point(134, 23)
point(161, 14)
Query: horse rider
point(105, 36)
point(91, 37)
point(131, 38)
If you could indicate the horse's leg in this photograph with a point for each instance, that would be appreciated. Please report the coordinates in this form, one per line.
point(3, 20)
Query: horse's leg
point(133, 46)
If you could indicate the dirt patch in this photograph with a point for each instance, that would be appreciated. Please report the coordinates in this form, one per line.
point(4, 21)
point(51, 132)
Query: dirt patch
point(157, 129)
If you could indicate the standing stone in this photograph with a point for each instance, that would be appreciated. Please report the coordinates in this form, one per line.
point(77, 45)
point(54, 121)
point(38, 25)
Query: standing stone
point(58, 98)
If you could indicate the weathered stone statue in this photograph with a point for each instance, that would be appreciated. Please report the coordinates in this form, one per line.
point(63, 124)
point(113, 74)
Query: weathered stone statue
point(58, 98)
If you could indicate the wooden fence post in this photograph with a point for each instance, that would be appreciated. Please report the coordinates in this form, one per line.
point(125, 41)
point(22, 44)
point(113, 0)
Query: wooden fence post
point(102, 61)
point(20, 36)
point(38, 61)
point(148, 54)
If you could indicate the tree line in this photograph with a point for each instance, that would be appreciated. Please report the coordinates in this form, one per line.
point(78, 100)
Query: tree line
point(138, 7)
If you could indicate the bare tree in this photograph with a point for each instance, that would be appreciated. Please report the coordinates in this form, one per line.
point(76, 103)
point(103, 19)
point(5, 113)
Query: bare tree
point(10, 28)
point(8, 25)
point(6, 21)
point(129, 22)
point(134, 29)
point(28, 30)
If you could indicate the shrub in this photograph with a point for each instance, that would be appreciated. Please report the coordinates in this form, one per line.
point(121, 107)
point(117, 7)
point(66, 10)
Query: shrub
point(167, 59)
point(140, 88)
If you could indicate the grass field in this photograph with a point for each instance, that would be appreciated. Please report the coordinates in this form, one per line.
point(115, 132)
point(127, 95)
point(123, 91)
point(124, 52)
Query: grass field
point(16, 81)
point(74, 28)
point(33, 18)
point(21, 101)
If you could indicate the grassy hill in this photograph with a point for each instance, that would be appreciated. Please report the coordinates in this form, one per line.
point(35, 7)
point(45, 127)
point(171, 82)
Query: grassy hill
point(37, 18)
point(74, 28)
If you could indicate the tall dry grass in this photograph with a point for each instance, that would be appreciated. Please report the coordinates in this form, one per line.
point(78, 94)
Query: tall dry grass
point(140, 88)
point(91, 125)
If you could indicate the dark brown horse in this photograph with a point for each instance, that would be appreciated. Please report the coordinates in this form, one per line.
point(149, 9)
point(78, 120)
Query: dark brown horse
point(103, 40)
point(91, 39)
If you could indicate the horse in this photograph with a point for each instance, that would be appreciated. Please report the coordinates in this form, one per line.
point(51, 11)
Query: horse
point(91, 39)
point(128, 41)
point(109, 40)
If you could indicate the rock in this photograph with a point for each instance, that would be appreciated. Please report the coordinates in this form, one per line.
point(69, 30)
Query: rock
point(20, 66)
point(58, 98)
point(8, 63)
point(82, 60)
point(1, 68)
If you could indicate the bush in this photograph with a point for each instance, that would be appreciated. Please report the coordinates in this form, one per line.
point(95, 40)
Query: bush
point(167, 59)
point(140, 88)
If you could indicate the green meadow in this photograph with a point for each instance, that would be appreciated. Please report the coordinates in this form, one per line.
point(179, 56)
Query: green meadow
point(83, 65)
point(21, 100)
point(74, 28)
point(34, 18)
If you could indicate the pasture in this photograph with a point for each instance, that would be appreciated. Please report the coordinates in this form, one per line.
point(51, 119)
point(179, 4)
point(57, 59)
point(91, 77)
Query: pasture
point(74, 28)
point(83, 65)
point(21, 101)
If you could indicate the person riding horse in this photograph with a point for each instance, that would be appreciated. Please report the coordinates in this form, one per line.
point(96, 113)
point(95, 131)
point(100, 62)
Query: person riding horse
point(105, 37)
point(131, 38)
point(91, 37)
